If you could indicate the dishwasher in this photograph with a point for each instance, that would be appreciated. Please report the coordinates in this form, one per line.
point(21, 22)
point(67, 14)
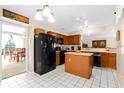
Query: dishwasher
point(97, 59)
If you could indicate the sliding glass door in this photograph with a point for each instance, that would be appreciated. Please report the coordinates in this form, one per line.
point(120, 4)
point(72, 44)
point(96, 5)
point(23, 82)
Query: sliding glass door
point(13, 49)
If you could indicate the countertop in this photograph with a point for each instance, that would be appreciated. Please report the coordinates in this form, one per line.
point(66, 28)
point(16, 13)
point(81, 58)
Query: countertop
point(101, 50)
point(79, 53)
point(57, 51)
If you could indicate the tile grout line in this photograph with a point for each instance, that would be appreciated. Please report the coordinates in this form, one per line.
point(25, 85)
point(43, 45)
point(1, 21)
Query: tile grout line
point(93, 79)
point(84, 83)
point(76, 82)
point(114, 79)
point(100, 78)
point(107, 78)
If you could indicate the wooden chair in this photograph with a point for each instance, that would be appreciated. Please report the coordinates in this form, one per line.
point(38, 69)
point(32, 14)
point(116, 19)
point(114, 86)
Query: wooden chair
point(23, 53)
point(20, 54)
point(13, 54)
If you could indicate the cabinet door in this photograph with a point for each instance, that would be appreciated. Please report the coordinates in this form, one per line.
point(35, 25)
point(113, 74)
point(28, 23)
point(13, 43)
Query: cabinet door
point(68, 63)
point(77, 39)
point(104, 59)
point(70, 40)
point(112, 60)
point(57, 58)
point(65, 40)
point(38, 31)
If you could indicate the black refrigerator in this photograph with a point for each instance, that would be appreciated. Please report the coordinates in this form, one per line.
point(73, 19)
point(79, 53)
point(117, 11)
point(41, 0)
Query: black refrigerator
point(44, 53)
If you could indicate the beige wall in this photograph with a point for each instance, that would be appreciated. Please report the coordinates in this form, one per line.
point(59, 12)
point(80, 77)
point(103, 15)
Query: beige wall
point(111, 42)
point(120, 45)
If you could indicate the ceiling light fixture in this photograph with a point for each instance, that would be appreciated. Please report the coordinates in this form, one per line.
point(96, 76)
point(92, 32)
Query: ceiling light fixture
point(38, 15)
point(51, 19)
point(85, 27)
point(45, 12)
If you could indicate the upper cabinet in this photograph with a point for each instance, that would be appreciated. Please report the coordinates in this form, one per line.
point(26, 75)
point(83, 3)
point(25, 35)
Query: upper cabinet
point(55, 34)
point(68, 40)
point(77, 39)
point(38, 31)
point(73, 40)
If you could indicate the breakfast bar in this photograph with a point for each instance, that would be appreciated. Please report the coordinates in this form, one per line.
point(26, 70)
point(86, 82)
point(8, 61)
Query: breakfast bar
point(79, 64)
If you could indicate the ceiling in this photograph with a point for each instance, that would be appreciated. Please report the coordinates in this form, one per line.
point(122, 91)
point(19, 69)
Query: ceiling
point(69, 19)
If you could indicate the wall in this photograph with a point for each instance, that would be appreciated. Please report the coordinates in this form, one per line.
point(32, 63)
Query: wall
point(111, 42)
point(120, 44)
point(99, 33)
point(0, 45)
point(0, 52)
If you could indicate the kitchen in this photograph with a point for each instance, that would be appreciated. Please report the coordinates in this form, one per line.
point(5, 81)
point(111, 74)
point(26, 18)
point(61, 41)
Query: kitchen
point(101, 56)
point(75, 47)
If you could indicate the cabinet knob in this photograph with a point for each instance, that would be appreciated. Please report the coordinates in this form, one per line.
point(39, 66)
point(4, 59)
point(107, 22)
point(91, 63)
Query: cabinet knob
point(69, 59)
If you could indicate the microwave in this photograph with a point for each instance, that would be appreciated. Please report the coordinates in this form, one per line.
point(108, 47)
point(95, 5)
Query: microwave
point(60, 41)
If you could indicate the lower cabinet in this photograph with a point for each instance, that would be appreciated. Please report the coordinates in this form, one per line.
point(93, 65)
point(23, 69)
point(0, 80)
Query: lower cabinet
point(108, 60)
point(57, 58)
point(112, 60)
point(104, 59)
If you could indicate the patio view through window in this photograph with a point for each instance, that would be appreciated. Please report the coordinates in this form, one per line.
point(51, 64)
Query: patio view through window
point(13, 50)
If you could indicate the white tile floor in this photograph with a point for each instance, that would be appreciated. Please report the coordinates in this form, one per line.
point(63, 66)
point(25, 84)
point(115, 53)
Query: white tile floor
point(8, 69)
point(57, 78)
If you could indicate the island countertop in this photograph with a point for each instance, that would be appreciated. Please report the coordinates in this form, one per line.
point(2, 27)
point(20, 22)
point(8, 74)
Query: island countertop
point(100, 50)
point(79, 53)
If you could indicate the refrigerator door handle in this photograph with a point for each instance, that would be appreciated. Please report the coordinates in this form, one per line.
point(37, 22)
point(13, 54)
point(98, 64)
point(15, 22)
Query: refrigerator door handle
point(43, 44)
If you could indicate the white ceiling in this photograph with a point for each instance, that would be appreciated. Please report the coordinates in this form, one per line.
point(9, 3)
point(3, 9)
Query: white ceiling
point(66, 16)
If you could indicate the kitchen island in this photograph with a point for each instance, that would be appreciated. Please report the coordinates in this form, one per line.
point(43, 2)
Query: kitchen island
point(79, 64)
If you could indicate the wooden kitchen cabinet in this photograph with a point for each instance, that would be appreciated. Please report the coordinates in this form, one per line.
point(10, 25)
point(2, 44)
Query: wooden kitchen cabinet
point(68, 40)
point(77, 39)
point(104, 59)
point(65, 40)
point(53, 33)
point(71, 40)
point(83, 67)
point(112, 60)
point(108, 60)
point(38, 31)
point(57, 58)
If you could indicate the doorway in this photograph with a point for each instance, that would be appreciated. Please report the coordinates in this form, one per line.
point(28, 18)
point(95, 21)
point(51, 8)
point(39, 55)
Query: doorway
point(13, 53)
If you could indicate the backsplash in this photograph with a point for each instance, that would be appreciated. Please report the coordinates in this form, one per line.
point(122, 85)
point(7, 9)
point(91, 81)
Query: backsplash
point(68, 47)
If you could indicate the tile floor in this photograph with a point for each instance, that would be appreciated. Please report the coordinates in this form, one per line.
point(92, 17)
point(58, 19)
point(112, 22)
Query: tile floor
point(101, 77)
point(9, 67)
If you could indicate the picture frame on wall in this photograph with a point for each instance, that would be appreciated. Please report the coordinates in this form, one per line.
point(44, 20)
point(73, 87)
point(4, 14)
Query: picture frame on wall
point(99, 43)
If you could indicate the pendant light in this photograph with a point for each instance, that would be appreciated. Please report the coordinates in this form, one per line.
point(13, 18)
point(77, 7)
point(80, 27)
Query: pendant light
point(51, 19)
point(38, 15)
point(46, 13)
